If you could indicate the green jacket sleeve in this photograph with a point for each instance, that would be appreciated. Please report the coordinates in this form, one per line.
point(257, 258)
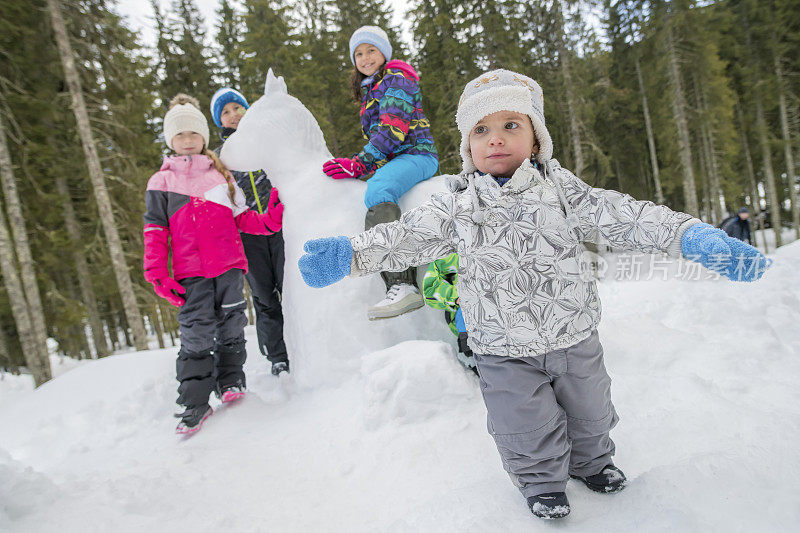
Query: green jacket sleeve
point(438, 285)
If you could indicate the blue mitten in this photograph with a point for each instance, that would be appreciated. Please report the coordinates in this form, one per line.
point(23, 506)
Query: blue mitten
point(326, 261)
point(715, 250)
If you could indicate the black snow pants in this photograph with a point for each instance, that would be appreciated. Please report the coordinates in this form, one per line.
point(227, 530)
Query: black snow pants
point(265, 258)
point(212, 325)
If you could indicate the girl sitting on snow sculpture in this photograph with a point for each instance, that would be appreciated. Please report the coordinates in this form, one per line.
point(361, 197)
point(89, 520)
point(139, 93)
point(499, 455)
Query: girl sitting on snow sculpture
point(400, 149)
point(517, 220)
point(195, 208)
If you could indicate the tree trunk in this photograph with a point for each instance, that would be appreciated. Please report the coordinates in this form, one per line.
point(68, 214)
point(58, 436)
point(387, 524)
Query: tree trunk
point(96, 174)
point(679, 115)
point(82, 268)
point(22, 287)
point(5, 350)
point(39, 367)
point(772, 192)
point(706, 131)
point(651, 143)
point(787, 149)
point(156, 321)
point(574, 125)
point(113, 326)
point(754, 195)
point(706, 211)
point(125, 327)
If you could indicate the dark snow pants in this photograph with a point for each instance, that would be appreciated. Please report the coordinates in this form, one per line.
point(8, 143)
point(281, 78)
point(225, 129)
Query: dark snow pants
point(550, 415)
point(380, 214)
point(212, 325)
point(265, 257)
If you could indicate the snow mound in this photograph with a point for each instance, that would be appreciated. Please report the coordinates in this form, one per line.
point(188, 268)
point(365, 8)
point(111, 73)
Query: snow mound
point(326, 330)
point(23, 491)
point(411, 382)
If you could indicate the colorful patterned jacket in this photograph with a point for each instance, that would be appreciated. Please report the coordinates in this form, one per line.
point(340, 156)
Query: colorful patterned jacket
point(392, 119)
point(439, 288)
point(190, 211)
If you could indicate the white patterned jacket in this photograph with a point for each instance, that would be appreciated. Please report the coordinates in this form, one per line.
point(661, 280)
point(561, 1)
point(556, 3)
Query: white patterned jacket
point(523, 288)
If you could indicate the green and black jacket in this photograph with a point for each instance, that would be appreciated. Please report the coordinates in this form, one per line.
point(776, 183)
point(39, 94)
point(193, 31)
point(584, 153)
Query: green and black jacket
point(439, 288)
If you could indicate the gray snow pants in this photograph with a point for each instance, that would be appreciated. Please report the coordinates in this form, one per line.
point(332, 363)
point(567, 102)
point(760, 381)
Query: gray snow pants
point(549, 415)
point(212, 325)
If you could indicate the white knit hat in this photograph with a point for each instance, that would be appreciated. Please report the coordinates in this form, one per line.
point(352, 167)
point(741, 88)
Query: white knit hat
point(184, 117)
point(370, 35)
point(501, 90)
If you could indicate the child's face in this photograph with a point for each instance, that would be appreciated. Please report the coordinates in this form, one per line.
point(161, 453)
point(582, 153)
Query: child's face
point(188, 143)
point(500, 142)
point(231, 115)
point(368, 59)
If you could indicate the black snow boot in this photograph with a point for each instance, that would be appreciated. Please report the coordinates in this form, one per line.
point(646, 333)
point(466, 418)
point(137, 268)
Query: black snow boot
point(280, 366)
point(550, 505)
point(610, 479)
point(192, 418)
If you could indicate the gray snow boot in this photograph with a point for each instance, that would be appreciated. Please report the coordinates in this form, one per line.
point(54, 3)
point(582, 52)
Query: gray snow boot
point(549, 505)
point(610, 479)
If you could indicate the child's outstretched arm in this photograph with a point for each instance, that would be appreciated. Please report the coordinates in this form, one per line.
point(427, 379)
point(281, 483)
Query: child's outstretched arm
point(269, 222)
point(420, 236)
point(641, 225)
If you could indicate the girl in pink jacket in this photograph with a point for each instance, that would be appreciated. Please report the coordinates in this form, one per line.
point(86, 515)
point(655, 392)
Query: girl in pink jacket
point(195, 208)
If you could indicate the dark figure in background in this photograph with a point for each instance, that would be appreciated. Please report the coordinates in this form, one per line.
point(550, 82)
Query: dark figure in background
point(738, 225)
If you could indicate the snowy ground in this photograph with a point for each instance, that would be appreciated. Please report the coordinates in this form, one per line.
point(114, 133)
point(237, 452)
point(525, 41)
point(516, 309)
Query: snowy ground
point(705, 381)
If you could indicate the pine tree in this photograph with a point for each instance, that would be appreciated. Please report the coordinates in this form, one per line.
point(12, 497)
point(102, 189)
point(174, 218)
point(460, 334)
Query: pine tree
point(268, 42)
point(184, 56)
point(445, 61)
point(96, 175)
point(229, 31)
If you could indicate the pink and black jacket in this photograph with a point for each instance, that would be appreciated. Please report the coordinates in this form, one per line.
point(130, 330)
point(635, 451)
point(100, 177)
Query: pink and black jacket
point(187, 201)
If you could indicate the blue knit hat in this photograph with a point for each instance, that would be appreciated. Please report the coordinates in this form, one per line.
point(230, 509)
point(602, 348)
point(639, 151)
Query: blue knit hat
point(222, 97)
point(370, 35)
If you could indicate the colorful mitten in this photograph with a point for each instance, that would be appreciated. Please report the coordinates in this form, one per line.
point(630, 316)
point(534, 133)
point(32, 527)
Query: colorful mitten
point(164, 287)
point(273, 218)
point(326, 261)
point(715, 250)
point(341, 167)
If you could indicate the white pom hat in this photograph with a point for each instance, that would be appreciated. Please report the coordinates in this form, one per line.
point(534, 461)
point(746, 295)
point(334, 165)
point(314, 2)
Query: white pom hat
point(501, 90)
point(184, 117)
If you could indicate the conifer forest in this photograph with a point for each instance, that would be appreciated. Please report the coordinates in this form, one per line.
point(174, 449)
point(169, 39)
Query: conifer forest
point(693, 104)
